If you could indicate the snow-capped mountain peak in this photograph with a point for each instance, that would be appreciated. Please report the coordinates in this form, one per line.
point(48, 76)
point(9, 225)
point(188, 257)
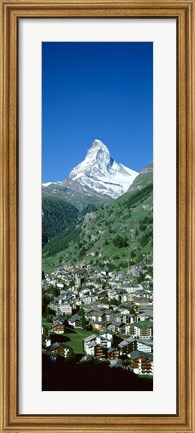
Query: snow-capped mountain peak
point(97, 176)
point(101, 174)
point(98, 156)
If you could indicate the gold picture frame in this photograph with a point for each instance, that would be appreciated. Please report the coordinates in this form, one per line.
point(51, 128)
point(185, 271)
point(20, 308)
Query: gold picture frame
point(183, 11)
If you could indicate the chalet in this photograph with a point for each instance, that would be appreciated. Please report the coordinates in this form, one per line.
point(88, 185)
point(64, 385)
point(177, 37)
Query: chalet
point(149, 294)
point(90, 349)
point(58, 320)
point(109, 315)
point(101, 326)
point(54, 347)
point(127, 346)
point(125, 297)
point(107, 334)
point(117, 327)
point(88, 312)
point(53, 305)
point(88, 340)
point(100, 351)
point(68, 297)
point(63, 350)
point(128, 318)
point(74, 321)
point(112, 353)
point(129, 329)
point(146, 366)
point(132, 288)
point(144, 346)
point(143, 330)
point(103, 341)
point(124, 310)
point(129, 305)
point(91, 299)
point(136, 357)
point(114, 295)
point(57, 329)
point(140, 293)
point(142, 302)
point(118, 317)
point(141, 363)
point(141, 317)
point(66, 308)
point(98, 316)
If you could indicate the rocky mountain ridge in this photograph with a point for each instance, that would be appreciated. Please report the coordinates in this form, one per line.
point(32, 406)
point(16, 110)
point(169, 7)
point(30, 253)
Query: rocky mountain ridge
point(98, 176)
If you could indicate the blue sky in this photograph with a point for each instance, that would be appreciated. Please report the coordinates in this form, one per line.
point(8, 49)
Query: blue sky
point(94, 90)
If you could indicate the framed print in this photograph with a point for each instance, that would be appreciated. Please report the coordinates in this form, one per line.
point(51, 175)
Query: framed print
point(97, 216)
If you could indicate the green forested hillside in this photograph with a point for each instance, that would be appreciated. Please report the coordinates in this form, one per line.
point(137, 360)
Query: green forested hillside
point(75, 198)
point(145, 178)
point(117, 233)
point(57, 216)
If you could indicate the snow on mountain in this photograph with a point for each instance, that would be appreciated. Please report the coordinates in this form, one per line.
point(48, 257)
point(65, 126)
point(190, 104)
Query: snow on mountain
point(99, 174)
point(51, 183)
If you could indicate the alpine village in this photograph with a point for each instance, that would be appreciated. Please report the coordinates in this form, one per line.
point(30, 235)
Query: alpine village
point(97, 277)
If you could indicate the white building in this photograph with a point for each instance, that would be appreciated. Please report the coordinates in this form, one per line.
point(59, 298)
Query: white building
point(65, 309)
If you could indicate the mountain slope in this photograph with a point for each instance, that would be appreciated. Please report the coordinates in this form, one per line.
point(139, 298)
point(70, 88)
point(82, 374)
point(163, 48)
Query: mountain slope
point(144, 178)
point(115, 233)
point(57, 216)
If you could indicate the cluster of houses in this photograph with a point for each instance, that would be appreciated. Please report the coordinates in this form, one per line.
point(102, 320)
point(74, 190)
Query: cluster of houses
point(105, 346)
point(117, 310)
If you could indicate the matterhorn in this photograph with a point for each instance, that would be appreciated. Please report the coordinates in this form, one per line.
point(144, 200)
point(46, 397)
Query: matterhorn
point(98, 175)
